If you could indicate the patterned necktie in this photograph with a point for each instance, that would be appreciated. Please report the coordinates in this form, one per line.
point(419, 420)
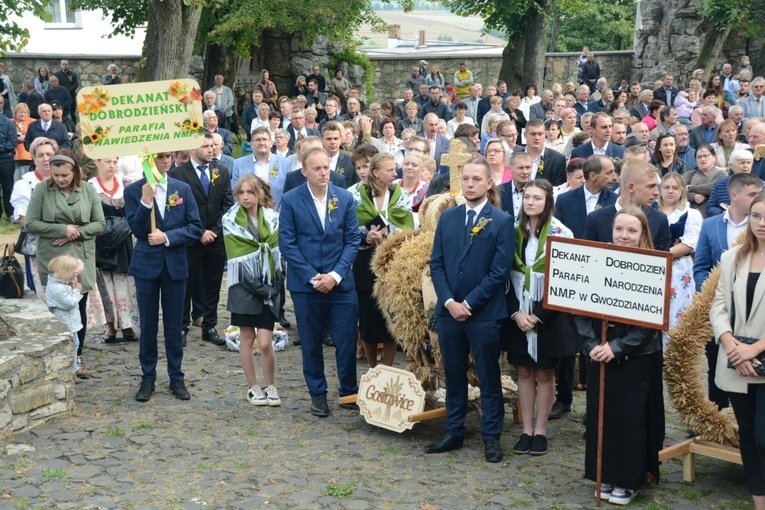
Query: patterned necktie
point(203, 177)
point(469, 224)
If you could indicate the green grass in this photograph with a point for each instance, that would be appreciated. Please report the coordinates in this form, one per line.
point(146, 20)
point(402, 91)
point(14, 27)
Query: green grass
point(116, 432)
point(393, 449)
point(450, 461)
point(143, 425)
point(350, 427)
point(21, 504)
point(206, 465)
point(339, 491)
point(54, 473)
point(242, 464)
point(252, 430)
point(19, 465)
point(6, 227)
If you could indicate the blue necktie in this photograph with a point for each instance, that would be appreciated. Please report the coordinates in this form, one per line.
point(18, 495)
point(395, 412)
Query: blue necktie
point(203, 177)
point(469, 224)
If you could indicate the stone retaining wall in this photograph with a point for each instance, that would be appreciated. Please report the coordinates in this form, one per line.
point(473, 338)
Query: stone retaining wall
point(36, 377)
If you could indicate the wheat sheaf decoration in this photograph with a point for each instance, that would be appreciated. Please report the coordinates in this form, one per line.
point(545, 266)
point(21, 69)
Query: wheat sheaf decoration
point(685, 369)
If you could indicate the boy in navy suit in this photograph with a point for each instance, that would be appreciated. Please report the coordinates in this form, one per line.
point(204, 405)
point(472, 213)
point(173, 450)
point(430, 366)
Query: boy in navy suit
point(319, 238)
point(159, 264)
point(472, 256)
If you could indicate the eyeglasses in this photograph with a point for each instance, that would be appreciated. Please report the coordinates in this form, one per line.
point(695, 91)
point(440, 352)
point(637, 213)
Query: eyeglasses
point(494, 151)
point(703, 156)
point(756, 218)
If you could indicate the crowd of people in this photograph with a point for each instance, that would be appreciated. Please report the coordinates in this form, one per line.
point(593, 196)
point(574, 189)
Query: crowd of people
point(328, 178)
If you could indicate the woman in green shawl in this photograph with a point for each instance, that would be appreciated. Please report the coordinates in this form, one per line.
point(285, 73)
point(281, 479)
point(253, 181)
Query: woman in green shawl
point(382, 208)
point(536, 337)
point(251, 236)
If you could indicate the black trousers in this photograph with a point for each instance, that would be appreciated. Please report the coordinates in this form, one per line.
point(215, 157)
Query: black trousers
point(7, 169)
point(213, 258)
point(749, 409)
point(716, 395)
point(84, 319)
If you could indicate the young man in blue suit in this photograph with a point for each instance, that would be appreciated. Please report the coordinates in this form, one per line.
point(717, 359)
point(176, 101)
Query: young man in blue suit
point(159, 265)
point(718, 233)
point(319, 238)
point(639, 187)
point(601, 125)
point(472, 257)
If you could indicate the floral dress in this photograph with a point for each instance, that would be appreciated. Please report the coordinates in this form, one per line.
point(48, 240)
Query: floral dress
point(685, 227)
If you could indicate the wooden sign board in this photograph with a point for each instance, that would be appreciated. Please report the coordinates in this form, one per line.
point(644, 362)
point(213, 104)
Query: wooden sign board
point(605, 281)
point(388, 396)
point(139, 118)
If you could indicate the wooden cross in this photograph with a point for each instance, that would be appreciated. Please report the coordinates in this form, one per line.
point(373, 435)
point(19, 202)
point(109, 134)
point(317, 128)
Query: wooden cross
point(455, 159)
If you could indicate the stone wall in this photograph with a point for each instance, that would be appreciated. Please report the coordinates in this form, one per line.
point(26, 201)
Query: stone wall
point(614, 65)
point(36, 377)
point(22, 67)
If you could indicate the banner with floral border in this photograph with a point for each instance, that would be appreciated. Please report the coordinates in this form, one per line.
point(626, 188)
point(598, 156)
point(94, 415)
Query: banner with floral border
point(138, 118)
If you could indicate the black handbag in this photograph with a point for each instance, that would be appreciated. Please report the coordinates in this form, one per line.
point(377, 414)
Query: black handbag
point(116, 231)
point(26, 243)
point(11, 275)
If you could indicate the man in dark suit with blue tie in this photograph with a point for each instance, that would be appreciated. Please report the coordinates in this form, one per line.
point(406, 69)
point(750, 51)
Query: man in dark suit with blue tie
point(639, 187)
point(601, 124)
point(159, 265)
point(572, 208)
point(211, 186)
point(717, 234)
point(470, 265)
point(319, 238)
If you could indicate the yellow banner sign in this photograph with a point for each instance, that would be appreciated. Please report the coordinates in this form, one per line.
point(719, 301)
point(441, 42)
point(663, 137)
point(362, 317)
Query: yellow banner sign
point(139, 118)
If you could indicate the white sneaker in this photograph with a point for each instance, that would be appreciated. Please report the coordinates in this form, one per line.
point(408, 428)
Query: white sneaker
point(621, 496)
point(256, 396)
point(272, 396)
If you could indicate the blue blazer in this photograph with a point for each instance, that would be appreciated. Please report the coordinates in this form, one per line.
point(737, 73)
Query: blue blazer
point(295, 178)
point(600, 226)
point(279, 168)
point(475, 271)
point(442, 147)
point(718, 196)
point(310, 249)
point(713, 241)
point(571, 209)
point(585, 151)
point(181, 225)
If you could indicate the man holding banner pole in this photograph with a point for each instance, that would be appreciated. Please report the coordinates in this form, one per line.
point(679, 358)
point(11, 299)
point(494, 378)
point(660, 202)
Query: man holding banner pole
point(163, 216)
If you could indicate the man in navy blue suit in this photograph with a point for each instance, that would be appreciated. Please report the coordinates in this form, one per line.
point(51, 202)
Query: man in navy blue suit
point(601, 140)
point(717, 235)
point(547, 163)
point(639, 187)
point(572, 208)
point(470, 265)
point(511, 193)
point(159, 265)
point(319, 238)
point(297, 129)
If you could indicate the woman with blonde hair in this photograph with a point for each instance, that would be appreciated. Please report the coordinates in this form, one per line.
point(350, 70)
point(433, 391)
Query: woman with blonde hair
point(736, 316)
point(22, 158)
point(727, 142)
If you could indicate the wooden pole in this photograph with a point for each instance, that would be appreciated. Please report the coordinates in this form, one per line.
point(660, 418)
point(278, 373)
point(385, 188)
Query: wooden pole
point(153, 221)
point(601, 401)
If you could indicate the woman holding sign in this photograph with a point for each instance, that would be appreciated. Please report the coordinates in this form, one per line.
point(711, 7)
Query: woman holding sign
point(736, 317)
point(536, 337)
point(382, 208)
point(685, 227)
point(633, 420)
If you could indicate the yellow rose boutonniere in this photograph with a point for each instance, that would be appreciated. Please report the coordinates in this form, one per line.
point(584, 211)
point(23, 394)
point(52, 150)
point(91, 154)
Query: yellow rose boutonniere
point(478, 227)
point(541, 167)
point(215, 175)
point(331, 206)
point(274, 171)
point(597, 206)
point(174, 200)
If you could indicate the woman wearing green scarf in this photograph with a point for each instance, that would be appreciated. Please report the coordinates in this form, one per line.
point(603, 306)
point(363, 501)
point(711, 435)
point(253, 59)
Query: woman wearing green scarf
point(535, 337)
point(251, 236)
point(382, 208)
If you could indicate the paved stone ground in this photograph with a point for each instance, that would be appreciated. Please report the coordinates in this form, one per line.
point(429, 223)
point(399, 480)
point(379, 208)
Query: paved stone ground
point(217, 451)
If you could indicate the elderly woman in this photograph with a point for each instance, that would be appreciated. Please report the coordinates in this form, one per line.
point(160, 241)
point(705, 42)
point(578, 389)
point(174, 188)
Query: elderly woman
point(340, 86)
point(492, 121)
point(66, 215)
point(262, 120)
point(281, 143)
point(300, 88)
point(513, 110)
point(389, 142)
point(116, 287)
point(22, 158)
point(652, 117)
point(727, 142)
point(707, 99)
point(310, 119)
point(274, 124)
point(740, 161)
point(699, 182)
point(411, 121)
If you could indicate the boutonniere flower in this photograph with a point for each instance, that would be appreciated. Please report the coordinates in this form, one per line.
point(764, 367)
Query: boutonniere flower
point(274, 171)
point(331, 206)
point(597, 206)
point(174, 200)
point(478, 227)
point(215, 175)
point(541, 167)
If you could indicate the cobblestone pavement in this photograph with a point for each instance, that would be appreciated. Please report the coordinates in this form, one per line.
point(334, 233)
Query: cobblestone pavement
point(218, 451)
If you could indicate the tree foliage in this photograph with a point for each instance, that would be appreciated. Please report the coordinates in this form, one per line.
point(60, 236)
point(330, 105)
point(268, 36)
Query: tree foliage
point(12, 36)
point(746, 14)
point(600, 24)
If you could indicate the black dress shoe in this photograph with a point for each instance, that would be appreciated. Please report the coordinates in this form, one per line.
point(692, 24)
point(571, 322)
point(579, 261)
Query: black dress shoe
point(445, 444)
point(144, 391)
point(492, 451)
point(283, 322)
point(296, 341)
point(327, 340)
point(129, 338)
point(212, 336)
point(178, 388)
point(558, 409)
point(110, 339)
point(352, 406)
point(319, 406)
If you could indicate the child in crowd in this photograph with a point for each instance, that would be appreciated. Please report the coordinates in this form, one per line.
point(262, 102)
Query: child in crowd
point(63, 295)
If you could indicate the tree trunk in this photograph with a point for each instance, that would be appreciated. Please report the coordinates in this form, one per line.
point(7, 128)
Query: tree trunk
point(169, 41)
point(512, 62)
point(536, 43)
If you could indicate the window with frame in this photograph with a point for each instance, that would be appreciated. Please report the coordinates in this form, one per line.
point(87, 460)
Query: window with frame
point(62, 13)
